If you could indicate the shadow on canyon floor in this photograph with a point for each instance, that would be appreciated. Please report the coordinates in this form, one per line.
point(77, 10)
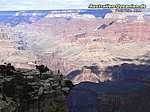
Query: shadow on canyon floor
point(127, 92)
point(128, 72)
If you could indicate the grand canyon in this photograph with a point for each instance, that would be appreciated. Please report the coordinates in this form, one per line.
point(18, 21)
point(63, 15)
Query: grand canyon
point(88, 47)
point(71, 39)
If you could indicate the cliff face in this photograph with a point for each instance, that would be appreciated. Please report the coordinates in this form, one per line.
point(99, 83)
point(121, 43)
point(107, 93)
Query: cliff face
point(30, 90)
point(14, 48)
point(9, 106)
point(127, 32)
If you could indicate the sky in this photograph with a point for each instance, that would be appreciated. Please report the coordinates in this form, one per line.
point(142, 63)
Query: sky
point(60, 4)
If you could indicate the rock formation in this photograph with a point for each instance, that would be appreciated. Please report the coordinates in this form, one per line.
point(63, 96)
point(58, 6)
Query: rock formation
point(86, 76)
